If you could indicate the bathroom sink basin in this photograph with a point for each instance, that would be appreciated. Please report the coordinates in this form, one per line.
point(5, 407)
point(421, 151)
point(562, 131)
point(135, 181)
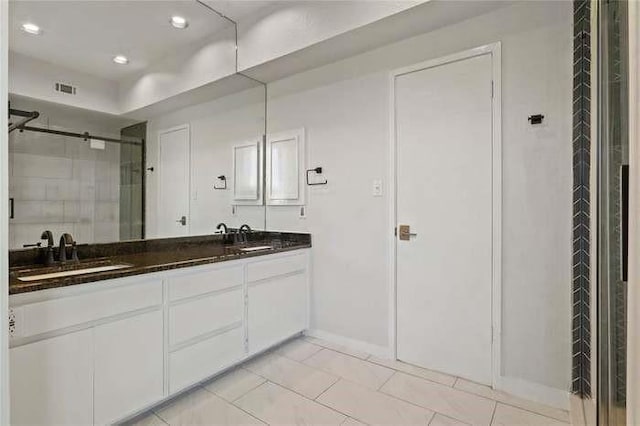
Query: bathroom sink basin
point(69, 271)
point(248, 249)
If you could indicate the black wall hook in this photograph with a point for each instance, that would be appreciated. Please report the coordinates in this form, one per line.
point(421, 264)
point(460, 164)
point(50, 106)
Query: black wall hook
point(318, 171)
point(223, 178)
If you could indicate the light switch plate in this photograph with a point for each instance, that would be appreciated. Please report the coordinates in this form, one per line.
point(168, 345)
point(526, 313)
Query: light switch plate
point(376, 189)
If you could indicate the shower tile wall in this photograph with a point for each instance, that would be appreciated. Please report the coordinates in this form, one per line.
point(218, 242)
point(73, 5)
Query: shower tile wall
point(61, 184)
point(581, 325)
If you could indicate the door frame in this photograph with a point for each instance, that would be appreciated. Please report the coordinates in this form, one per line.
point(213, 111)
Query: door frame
point(4, 215)
point(493, 49)
point(160, 195)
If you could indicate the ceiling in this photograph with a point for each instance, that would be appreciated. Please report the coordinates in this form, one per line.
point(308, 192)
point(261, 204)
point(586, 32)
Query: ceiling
point(85, 35)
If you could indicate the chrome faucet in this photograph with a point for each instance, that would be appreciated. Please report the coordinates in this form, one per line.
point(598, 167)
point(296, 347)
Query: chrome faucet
point(67, 239)
point(47, 235)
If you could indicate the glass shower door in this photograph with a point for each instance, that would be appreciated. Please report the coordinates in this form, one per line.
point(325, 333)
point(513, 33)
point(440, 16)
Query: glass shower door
point(613, 160)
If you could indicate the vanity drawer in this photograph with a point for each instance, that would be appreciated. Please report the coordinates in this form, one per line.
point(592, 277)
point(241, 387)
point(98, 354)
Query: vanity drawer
point(55, 314)
point(204, 359)
point(272, 268)
point(205, 281)
point(210, 313)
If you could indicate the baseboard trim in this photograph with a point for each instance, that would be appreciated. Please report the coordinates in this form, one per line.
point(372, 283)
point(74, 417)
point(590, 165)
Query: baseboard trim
point(357, 345)
point(534, 392)
point(576, 411)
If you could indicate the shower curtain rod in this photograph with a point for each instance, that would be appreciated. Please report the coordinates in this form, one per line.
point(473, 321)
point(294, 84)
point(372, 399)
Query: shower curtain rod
point(86, 135)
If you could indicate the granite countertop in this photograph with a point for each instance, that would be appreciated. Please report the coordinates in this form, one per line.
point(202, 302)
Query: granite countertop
point(144, 256)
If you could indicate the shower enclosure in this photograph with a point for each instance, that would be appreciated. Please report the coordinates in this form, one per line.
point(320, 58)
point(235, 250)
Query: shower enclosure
point(613, 164)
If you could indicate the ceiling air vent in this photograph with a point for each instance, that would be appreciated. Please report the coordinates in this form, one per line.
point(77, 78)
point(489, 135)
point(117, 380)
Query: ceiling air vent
point(65, 88)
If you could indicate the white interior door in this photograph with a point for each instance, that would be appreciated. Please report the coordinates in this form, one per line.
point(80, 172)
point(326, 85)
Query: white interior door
point(444, 193)
point(173, 206)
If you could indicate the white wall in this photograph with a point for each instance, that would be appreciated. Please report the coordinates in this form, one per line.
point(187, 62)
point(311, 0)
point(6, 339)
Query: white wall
point(36, 79)
point(344, 108)
point(215, 127)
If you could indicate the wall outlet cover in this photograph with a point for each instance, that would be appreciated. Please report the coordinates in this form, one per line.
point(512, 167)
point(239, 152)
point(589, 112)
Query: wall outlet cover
point(15, 322)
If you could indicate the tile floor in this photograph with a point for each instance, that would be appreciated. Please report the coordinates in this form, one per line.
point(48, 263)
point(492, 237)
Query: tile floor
point(311, 382)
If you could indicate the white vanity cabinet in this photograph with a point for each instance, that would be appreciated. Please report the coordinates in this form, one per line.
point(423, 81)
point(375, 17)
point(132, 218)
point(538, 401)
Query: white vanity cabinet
point(206, 322)
point(277, 300)
point(128, 366)
point(98, 353)
point(51, 381)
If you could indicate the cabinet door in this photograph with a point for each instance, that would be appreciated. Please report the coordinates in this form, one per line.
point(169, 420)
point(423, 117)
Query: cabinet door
point(129, 372)
point(285, 162)
point(247, 173)
point(52, 381)
point(277, 310)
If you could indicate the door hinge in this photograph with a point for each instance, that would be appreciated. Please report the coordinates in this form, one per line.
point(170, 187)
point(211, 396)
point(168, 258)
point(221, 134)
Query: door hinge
point(491, 89)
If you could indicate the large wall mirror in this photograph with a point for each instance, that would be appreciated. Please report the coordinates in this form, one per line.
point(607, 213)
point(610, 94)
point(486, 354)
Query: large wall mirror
point(136, 129)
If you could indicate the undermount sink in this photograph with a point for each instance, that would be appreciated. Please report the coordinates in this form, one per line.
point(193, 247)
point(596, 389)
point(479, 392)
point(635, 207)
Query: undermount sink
point(80, 270)
point(256, 248)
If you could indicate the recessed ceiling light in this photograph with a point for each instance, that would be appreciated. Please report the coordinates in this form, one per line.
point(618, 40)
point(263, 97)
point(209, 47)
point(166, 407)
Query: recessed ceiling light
point(31, 28)
point(121, 59)
point(179, 22)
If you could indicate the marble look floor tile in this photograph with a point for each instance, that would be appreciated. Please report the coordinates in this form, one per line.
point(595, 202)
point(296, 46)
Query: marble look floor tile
point(486, 391)
point(451, 402)
point(425, 373)
point(234, 384)
point(441, 420)
point(148, 420)
point(356, 370)
point(298, 350)
point(201, 407)
point(293, 375)
point(373, 407)
point(336, 347)
point(279, 406)
point(508, 415)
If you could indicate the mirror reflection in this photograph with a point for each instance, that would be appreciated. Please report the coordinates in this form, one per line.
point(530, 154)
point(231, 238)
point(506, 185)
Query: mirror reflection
point(138, 128)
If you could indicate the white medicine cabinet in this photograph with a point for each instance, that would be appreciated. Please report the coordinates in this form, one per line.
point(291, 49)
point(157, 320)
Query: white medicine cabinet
point(247, 173)
point(284, 159)
point(285, 166)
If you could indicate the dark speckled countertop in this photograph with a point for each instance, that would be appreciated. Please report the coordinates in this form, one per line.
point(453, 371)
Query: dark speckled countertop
point(144, 256)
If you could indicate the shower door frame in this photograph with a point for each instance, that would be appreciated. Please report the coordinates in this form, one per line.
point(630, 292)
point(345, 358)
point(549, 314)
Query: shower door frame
point(604, 294)
point(633, 331)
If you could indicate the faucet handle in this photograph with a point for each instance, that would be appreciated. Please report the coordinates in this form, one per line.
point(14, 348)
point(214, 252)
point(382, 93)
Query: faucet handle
point(74, 252)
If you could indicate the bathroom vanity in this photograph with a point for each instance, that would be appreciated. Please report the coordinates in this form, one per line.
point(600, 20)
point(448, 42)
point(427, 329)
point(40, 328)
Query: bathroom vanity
point(98, 348)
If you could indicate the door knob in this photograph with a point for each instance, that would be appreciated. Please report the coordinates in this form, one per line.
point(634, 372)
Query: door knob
point(404, 232)
point(182, 221)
